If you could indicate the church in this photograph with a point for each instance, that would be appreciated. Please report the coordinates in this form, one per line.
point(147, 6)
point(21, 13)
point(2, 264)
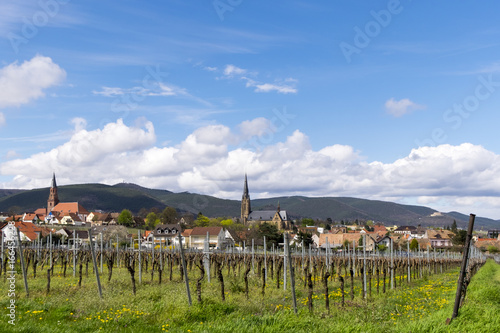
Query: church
point(279, 218)
point(62, 212)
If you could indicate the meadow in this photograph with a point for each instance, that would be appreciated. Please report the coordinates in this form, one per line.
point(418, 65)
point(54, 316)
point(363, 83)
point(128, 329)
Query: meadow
point(422, 305)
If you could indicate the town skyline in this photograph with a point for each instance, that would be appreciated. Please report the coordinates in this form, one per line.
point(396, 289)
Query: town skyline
point(378, 100)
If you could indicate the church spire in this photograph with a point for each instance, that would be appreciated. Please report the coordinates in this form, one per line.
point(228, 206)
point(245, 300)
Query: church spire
point(245, 202)
point(54, 185)
point(245, 189)
point(53, 196)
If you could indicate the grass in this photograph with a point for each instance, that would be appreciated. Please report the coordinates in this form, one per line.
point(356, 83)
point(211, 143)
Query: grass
point(421, 306)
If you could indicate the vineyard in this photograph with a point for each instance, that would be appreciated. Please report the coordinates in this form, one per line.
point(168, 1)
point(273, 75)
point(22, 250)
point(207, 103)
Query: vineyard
point(146, 290)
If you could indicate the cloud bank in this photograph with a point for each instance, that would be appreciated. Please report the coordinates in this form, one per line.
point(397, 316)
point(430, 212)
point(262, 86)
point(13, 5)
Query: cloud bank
point(213, 159)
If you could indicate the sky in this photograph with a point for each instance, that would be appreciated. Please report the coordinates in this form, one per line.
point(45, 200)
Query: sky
point(386, 100)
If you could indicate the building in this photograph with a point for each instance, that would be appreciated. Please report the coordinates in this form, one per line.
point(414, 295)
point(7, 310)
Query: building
point(216, 237)
point(69, 213)
point(279, 218)
point(439, 238)
point(405, 230)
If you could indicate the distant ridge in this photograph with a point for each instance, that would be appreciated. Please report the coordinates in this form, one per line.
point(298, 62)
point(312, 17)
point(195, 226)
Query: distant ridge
point(134, 197)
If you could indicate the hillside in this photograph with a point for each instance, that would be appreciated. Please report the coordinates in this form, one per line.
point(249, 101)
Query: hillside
point(134, 197)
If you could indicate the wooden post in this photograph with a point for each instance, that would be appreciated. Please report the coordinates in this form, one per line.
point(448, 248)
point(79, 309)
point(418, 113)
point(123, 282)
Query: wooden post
point(265, 259)
point(364, 266)
point(139, 245)
point(184, 268)
point(292, 276)
point(284, 260)
point(463, 269)
point(408, 246)
point(74, 253)
point(20, 248)
point(392, 264)
point(94, 261)
point(101, 251)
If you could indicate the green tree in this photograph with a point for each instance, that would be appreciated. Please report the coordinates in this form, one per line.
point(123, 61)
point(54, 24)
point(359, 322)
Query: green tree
point(305, 237)
point(492, 249)
point(307, 221)
point(360, 241)
point(169, 215)
point(125, 218)
point(270, 231)
point(226, 223)
point(151, 221)
point(414, 244)
point(202, 221)
point(454, 227)
point(459, 238)
point(382, 247)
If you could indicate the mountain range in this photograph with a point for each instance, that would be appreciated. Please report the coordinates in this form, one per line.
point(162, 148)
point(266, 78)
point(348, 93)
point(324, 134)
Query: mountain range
point(134, 197)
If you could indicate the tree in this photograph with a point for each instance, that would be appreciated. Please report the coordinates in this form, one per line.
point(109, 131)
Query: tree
point(168, 216)
point(382, 247)
point(454, 227)
point(306, 221)
point(125, 218)
point(151, 221)
point(270, 231)
point(202, 220)
point(305, 237)
point(459, 238)
point(414, 244)
point(113, 231)
point(226, 223)
point(492, 249)
point(360, 241)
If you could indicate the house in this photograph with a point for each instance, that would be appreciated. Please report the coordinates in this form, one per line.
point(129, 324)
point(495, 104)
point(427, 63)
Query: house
point(28, 232)
point(439, 238)
point(167, 232)
point(216, 237)
point(406, 229)
point(484, 243)
point(31, 218)
point(338, 240)
point(67, 208)
point(384, 240)
point(99, 218)
point(494, 233)
point(71, 219)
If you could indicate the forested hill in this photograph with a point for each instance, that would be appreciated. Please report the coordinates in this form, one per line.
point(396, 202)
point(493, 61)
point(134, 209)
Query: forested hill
point(134, 197)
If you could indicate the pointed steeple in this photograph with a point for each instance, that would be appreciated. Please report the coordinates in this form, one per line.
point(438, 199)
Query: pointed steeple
point(245, 202)
point(54, 185)
point(53, 197)
point(245, 189)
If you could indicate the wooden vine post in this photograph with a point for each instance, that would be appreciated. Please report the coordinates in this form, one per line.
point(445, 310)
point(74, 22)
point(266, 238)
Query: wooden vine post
point(463, 270)
point(94, 261)
point(184, 268)
point(20, 247)
point(292, 275)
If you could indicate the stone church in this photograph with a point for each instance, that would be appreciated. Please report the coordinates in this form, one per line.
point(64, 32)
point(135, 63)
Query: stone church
point(279, 217)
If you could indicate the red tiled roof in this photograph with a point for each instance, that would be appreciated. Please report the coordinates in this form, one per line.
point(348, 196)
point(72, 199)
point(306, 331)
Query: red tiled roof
point(70, 207)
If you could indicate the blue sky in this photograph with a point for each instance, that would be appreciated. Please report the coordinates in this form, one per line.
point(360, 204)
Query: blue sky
point(389, 100)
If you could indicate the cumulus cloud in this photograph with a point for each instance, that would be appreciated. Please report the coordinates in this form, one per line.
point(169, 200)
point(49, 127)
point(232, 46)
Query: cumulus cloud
point(231, 70)
point(211, 161)
point(401, 107)
point(20, 84)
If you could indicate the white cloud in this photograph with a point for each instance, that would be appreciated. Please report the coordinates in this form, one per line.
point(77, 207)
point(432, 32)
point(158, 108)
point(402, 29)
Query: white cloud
point(286, 86)
point(210, 69)
point(267, 87)
point(401, 107)
point(231, 70)
point(20, 84)
point(2, 119)
point(466, 176)
point(79, 123)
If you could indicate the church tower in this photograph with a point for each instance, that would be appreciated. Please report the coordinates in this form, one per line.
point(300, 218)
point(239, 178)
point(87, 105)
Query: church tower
point(245, 203)
point(53, 197)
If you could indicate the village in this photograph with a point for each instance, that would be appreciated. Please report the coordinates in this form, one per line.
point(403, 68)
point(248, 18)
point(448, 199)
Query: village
point(67, 224)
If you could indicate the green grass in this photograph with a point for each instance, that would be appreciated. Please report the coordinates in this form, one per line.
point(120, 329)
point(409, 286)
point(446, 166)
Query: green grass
point(421, 306)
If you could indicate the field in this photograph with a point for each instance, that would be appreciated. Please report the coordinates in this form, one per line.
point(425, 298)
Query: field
point(422, 305)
